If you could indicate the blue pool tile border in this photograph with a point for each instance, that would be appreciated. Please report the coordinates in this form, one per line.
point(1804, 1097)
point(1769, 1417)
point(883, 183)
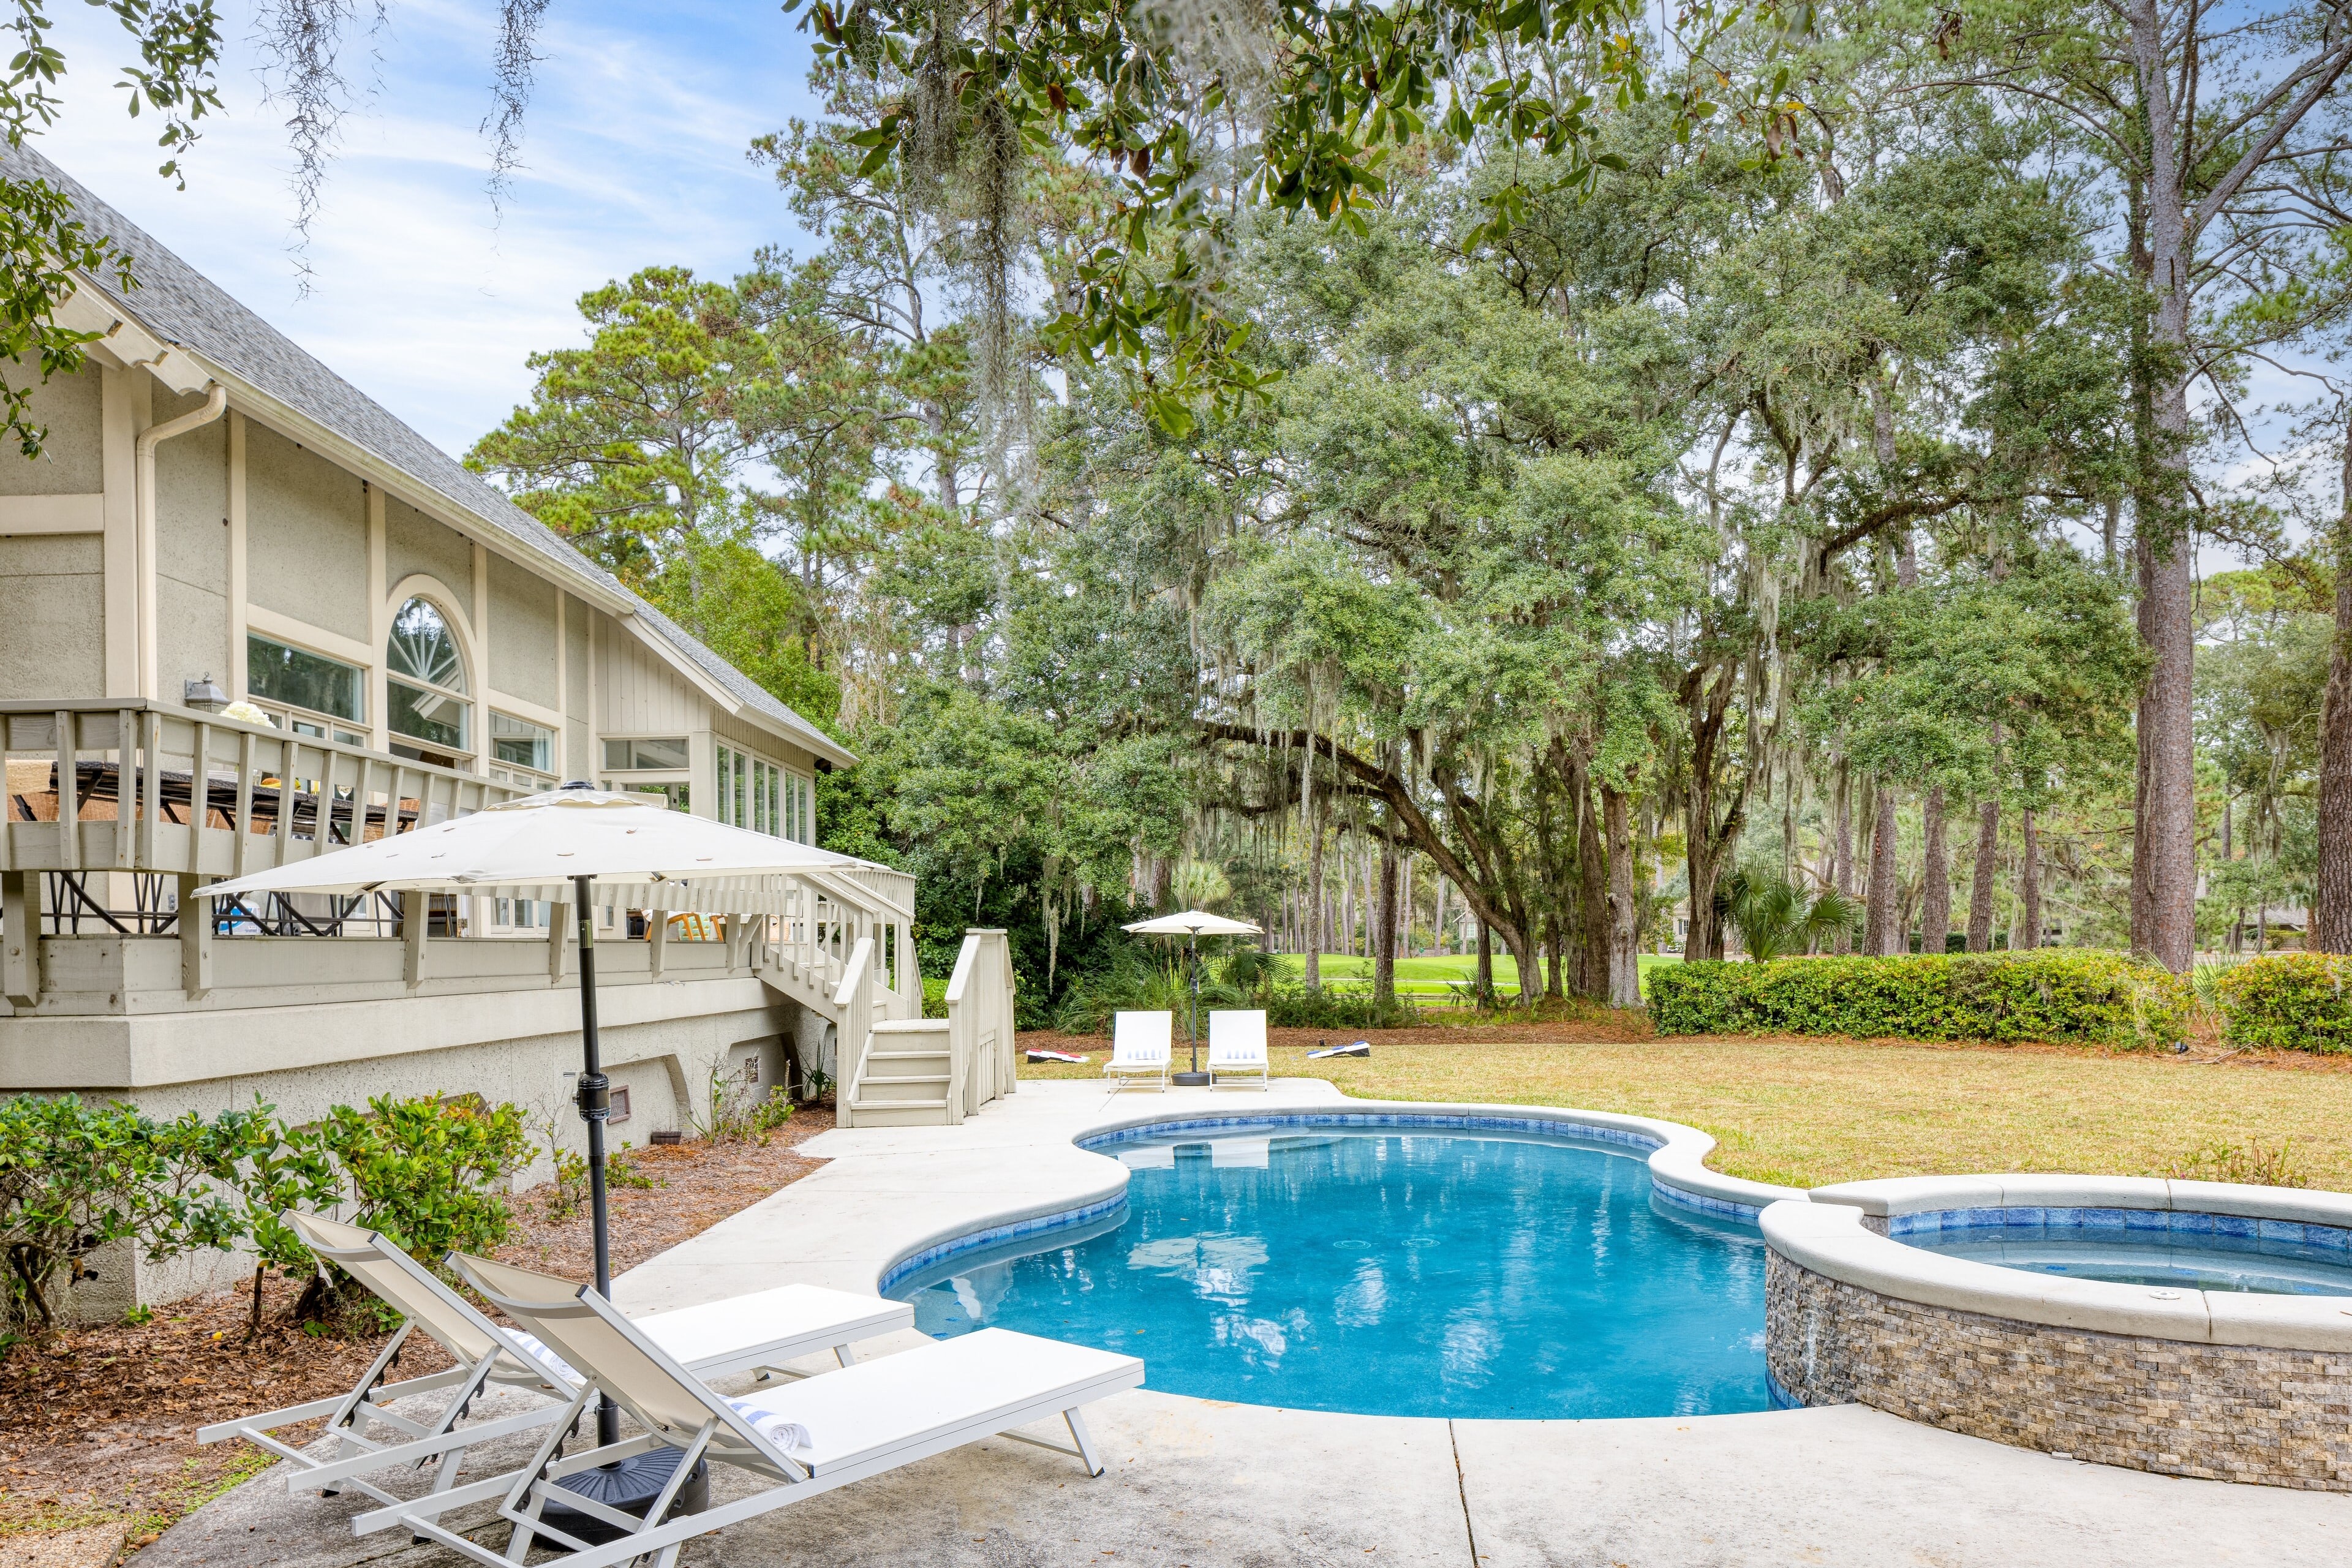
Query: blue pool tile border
point(2174, 1222)
point(1013, 1230)
point(1541, 1126)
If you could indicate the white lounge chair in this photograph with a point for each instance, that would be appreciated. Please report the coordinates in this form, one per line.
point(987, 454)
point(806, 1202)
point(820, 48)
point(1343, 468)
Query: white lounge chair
point(1141, 1046)
point(799, 1440)
point(1237, 1047)
point(745, 1333)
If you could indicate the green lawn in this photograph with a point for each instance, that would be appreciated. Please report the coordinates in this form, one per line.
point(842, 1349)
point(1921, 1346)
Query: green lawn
point(1433, 978)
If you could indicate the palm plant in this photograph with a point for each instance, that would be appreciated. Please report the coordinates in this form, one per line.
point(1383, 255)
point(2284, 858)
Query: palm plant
point(1773, 916)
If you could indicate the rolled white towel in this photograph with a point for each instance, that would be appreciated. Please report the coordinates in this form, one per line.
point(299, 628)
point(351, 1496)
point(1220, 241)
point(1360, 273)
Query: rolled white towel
point(789, 1436)
point(547, 1359)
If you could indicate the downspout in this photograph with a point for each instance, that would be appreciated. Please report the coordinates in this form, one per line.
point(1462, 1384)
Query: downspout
point(144, 564)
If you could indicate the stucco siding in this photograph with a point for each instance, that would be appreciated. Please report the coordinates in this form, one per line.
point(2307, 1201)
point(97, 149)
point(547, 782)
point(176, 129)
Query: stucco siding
point(191, 549)
point(52, 616)
point(522, 634)
point(70, 460)
point(305, 535)
point(413, 544)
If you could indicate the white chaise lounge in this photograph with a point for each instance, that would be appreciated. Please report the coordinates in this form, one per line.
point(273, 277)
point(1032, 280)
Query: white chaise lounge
point(1237, 1047)
point(793, 1442)
point(756, 1332)
point(1141, 1045)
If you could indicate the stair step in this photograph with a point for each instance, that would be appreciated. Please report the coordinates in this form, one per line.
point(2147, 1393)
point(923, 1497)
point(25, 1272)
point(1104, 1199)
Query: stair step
point(901, 1090)
point(899, 1112)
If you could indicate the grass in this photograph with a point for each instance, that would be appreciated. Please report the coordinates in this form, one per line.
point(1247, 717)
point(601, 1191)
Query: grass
point(1809, 1113)
point(1437, 976)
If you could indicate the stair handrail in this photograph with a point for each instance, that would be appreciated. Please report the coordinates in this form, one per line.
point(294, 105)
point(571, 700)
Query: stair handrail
point(854, 1000)
point(980, 1016)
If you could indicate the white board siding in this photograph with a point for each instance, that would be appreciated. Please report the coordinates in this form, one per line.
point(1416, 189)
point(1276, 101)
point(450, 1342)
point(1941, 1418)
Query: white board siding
point(641, 695)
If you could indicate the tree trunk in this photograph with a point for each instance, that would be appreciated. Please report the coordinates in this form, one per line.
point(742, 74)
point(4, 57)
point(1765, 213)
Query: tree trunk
point(2331, 903)
point(1981, 888)
point(1624, 914)
point(1438, 919)
point(2164, 838)
point(1842, 856)
point(1593, 877)
point(1885, 882)
point(1316, 914)
point(1486, 967)
point(1936, 876)
point(1384, 941)
point(2028, 889)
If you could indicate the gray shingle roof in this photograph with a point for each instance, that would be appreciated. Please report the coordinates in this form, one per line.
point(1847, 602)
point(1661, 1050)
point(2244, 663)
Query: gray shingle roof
point(179, 305)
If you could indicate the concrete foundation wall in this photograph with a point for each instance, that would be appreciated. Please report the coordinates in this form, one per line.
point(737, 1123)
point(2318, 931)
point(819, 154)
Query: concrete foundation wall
point(666, 1065)
point(2240, 1412)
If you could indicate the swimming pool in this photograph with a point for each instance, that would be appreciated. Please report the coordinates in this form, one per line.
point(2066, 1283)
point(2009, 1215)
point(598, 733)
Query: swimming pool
point(2163, 1257)
point(1383, 1272)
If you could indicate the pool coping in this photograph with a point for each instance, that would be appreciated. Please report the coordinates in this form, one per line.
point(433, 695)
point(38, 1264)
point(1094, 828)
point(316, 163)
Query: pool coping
point(1830, 1232)
point(1676, 1162)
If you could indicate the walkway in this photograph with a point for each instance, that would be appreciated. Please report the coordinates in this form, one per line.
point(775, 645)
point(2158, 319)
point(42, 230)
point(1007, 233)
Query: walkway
point(1204, 1484)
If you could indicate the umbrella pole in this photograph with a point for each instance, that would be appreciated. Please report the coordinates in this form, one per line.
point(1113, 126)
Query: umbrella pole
point(595, 1106)
point(1194, 942)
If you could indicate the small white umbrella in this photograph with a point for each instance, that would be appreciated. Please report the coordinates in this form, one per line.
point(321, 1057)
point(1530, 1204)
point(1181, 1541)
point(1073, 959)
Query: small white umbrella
point(1194, 924)
point(526, 847)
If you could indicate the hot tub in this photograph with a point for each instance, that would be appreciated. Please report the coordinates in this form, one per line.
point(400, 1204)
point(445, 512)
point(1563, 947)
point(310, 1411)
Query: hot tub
point(2187, 1328)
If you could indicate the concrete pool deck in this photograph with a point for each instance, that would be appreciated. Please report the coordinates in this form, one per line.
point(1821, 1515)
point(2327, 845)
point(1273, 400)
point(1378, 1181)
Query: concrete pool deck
point(1208, 1484)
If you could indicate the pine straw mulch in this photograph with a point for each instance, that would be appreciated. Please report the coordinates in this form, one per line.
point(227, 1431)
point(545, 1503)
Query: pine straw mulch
point(98, 1424)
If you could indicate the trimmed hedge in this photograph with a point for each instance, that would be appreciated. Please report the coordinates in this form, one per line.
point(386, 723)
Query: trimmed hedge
point(2056, 993)
point(2287, 1002)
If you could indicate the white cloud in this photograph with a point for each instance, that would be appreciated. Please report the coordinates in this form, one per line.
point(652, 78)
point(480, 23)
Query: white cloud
point(420, 293)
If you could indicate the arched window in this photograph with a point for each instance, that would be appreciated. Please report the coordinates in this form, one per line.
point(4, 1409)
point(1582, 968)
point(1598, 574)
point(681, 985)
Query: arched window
point(426, 690)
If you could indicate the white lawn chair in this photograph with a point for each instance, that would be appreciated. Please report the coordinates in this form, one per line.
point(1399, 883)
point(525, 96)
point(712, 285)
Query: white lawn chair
point(1141, 1046)
point(797, 1441)
point(1237, 1047)
point(745, 1333)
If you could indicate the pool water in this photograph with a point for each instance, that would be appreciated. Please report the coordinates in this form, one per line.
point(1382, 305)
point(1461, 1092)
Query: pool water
point(2180, 1263)
point(1385, 1273)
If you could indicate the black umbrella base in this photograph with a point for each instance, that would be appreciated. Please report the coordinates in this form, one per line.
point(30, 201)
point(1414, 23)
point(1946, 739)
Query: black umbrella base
point(630, 1486)
point(1188, 1079)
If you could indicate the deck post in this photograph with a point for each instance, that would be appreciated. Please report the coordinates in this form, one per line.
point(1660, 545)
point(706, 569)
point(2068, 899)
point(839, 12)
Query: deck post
point(196, 937)
point(20, 942)
point(415, 918)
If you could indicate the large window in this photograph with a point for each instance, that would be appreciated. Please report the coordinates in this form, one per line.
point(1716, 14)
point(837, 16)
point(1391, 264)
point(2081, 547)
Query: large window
point(762, 796)
point(660, 754)
point(522, 752)
point(426, 694)
point(305, 691)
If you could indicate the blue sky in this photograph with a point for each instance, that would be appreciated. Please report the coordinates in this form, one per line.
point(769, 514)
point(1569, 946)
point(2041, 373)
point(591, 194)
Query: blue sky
point(420, 293)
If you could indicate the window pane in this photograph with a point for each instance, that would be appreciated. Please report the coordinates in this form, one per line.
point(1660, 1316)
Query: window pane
point(422, 647)
point(276, 673)
point(426, 715)
point(521, 742)
point(642, 756)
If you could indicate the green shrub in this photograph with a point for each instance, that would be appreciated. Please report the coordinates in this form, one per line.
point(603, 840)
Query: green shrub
point(75, 1177)
point(2287, 1002)
point(426, 1172)
point(2054, 993)
point(1328, 1009)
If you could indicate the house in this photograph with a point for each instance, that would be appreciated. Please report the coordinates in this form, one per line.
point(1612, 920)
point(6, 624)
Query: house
point(218, 519)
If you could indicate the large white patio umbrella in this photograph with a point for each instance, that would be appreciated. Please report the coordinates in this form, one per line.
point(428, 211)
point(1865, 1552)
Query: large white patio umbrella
point(1194, 924)
point(592, 839)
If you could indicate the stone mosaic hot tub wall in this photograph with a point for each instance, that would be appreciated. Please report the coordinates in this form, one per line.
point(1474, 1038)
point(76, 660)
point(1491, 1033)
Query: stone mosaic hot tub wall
point(2229, 1385)
point(2241, 1413)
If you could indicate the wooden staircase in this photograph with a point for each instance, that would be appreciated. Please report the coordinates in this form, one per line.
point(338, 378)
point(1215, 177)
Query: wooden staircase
point(904, 1077)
